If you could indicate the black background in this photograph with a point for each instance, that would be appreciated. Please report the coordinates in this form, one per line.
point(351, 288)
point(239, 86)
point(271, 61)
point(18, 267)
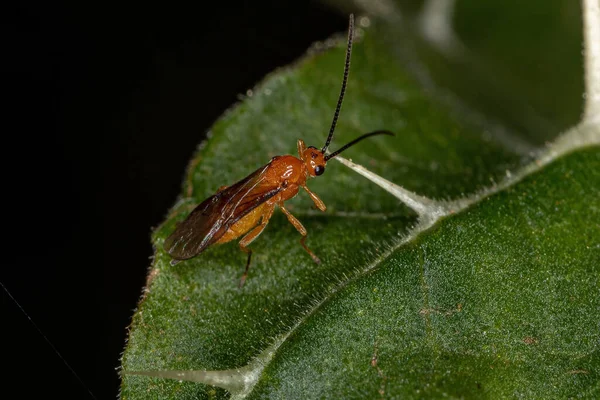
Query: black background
point(106, 104)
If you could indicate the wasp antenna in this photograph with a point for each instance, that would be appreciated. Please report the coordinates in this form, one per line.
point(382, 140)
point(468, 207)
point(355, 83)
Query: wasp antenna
point(344, 81)
point(358, 139)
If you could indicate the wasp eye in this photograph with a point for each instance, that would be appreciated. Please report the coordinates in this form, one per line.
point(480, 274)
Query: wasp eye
point(319, 169)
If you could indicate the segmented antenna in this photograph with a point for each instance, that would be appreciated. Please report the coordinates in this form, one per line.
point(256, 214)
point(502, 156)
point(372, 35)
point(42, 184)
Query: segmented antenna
point(344, 81)
point(358, 139)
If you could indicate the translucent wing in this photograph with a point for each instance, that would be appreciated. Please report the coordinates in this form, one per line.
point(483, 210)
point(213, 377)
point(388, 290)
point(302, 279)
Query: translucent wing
point(211, 219)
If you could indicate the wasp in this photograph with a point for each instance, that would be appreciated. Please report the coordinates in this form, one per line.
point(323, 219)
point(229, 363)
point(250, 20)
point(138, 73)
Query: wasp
point(244, 208)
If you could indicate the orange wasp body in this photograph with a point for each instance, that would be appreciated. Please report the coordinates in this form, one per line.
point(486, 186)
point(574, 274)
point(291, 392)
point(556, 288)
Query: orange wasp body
point(245, 207)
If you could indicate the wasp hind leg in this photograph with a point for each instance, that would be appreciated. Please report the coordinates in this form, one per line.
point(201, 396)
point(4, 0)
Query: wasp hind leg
point(249, 238)
point(300, 228)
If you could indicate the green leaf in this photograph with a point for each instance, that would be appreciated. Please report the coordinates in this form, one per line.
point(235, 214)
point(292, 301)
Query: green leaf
point(499, 301)
point(499, 298)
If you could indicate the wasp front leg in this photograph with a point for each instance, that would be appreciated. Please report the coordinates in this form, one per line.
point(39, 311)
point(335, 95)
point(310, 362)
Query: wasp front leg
point(318, 202)
point(301, 147)
point(300, 228)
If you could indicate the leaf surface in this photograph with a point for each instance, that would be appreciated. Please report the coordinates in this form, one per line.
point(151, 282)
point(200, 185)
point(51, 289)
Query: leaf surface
point(497, 300)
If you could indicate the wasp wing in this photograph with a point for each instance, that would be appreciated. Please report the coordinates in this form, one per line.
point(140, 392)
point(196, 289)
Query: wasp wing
point(211, 219)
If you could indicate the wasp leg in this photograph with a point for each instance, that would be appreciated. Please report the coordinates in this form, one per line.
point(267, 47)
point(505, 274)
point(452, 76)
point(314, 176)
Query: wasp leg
point(318, 202)
point(249, 238)
point(301, 147)
point(298, 225)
